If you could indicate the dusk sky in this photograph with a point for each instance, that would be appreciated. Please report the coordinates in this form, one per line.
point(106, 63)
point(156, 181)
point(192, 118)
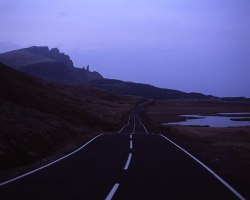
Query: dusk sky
point(189, 45)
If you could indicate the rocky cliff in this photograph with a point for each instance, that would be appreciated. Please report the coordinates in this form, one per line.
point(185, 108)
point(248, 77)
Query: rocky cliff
point(54, 54)
point(48, 64)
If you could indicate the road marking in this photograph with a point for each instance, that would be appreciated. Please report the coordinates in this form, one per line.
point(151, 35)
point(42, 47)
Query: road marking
point(131, 144)
point(131, 136)
point(140, 120)
point(122, 128)
point(208, 169)
point(49, 164)
point(124, 125)
point(128, 161)
point(112, 192)
point(134, 125)
point(144, 127)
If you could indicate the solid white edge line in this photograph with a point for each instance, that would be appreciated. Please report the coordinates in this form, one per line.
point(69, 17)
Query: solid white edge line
point(122, 128)
point(49, 164)
point(208, 169)
point(140, 120)
point(144, 127)
point(131, 144)
point(134, 125)
point(128, 161)
point(112, 192)
point(124, 125)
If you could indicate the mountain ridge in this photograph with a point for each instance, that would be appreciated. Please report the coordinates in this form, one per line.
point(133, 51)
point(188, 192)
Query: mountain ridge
point(48, 64)
point(52, 65)
point(144, 90)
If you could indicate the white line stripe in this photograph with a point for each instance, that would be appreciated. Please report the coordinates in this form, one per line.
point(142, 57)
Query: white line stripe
point(128, 161)
point(144, 127)
point(140, 120)
point(122, 128)
point(49, 164)
point(208, 169)
point(112, 192)
point(134, 126)
point(131, 144)
point(124, 125)
point(131, 136)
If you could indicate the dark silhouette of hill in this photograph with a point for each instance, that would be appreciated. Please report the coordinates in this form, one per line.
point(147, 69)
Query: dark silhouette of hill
point(152, 92)
point(39, 118)
point(144, 90)
point(53, 54)
point(48, 64)
point(52, 65)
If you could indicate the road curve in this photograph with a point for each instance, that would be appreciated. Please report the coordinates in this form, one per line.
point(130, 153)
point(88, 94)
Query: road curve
point(131, 164)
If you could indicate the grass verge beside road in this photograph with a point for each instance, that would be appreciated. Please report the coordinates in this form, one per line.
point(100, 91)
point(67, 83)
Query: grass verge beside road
point(225, 150)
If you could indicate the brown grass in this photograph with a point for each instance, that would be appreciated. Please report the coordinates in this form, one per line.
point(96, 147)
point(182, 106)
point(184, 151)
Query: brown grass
point(225, 150)
point(169, 111)
point(40, 119)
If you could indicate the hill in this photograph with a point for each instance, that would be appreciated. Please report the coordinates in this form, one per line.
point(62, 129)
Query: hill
point(47, 64)
point(52, 65)
point(152, 92)
point(40, 118)
point(144, 90)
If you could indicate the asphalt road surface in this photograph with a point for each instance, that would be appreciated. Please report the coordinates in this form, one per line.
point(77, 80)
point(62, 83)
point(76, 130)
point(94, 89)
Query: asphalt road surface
point(130, 164)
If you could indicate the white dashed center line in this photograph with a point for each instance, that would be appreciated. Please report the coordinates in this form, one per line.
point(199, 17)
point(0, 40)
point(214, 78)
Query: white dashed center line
point(112, 192)
point(128, 161)
point(131, 144)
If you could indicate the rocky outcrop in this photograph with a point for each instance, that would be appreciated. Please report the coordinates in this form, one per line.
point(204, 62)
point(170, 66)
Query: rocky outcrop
point(48, 64)
point(54, 54)
point(84, 74)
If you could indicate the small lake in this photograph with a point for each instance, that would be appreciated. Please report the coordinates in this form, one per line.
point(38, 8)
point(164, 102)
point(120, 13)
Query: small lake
point(213, 121)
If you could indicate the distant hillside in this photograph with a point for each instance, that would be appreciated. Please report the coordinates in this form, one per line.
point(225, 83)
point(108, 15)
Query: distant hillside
point(54, 66)
point(39, 118)
point(48, 64)
point(57, 67)
point(143, 90)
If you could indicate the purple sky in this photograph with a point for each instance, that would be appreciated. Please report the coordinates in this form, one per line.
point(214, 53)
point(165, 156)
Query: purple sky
point(190, 45)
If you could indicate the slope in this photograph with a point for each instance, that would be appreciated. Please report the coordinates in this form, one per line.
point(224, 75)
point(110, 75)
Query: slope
point(143, 90)
point(39, 118)
point(48, 64)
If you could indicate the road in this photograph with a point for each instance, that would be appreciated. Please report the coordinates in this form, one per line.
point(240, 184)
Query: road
point(130, 164)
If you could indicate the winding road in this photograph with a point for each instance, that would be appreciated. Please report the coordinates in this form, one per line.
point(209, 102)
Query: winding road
point(130, 164)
